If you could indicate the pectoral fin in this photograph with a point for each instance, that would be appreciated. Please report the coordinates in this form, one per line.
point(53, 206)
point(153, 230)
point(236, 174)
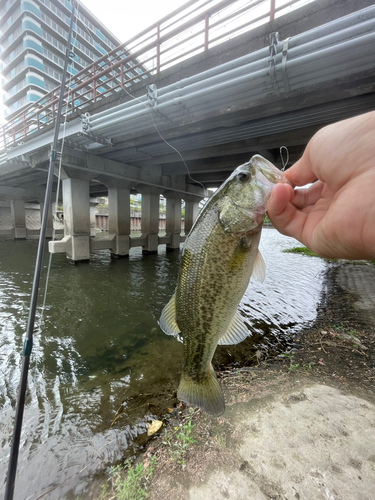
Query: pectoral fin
point(167, 320)
point(259, 269)
point(236, 332)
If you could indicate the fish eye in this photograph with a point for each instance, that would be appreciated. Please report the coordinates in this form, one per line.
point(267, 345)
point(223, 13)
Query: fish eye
point(243, 177)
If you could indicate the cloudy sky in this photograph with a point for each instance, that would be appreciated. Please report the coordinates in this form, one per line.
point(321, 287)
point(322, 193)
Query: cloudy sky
point(127, 18)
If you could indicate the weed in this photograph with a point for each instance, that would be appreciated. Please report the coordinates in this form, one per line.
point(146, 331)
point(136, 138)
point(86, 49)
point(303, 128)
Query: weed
point(306, 366)
point(292, 368)
point(288, 355)
point(128, 482)
point(220, 441)
point(178, 446)
point(301, 251)
point(339, 327)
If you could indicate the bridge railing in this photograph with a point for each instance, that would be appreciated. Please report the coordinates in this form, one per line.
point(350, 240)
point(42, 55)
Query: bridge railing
point(193, 28)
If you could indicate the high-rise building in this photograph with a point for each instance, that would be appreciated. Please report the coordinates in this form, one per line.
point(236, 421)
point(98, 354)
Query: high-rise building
point(33, 37)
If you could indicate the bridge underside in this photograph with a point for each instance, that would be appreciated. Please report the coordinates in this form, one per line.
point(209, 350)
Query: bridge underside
point(185, 135)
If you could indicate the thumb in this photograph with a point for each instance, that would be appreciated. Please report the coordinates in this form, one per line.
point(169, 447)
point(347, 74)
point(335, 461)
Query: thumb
point(283, 215)
point(281, 195)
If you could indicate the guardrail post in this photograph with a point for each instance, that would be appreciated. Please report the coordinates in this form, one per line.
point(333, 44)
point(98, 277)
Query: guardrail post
point(206, 28)
point(157, 48)
point(94, 82)
point(272, 10)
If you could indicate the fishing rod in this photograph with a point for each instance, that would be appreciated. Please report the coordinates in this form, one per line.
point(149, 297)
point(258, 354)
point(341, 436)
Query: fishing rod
point(13, 459)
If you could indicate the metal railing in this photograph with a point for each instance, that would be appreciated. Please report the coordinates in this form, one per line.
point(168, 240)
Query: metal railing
point(193, 28)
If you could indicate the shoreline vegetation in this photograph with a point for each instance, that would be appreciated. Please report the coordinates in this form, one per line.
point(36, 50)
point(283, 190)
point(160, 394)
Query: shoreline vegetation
point(309, 253)
point(301, 251)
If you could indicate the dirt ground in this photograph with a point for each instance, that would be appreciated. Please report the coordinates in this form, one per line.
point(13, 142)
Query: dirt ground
point(300, 426)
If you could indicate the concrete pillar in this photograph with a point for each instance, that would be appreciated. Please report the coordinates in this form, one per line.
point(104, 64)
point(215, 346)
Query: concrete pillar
point(173, 220)
point(76, 204)
point(93, 203)
point(150, 219)
point(119, 218)
point(49, 220)
point(19, 219)
point(191, 212)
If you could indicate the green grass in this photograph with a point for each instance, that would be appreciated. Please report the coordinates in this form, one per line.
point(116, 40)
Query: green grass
point(179, 441)
point(301, 251)
point(310, 253)
point(266, 219)
point(128, 482)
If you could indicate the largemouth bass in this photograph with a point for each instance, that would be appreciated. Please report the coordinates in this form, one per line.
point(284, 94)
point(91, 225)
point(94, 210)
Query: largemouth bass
point(219, 256)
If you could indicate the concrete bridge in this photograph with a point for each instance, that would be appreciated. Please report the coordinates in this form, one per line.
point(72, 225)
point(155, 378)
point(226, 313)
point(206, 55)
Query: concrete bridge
point(271, 85)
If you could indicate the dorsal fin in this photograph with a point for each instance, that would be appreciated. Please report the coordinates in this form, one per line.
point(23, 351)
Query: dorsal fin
point(237, 331)
point(167, 320)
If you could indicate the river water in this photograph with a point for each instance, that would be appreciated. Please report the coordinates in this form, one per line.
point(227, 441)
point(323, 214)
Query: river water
point(101, 367)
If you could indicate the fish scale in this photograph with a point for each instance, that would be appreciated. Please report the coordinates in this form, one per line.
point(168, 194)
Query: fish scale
point(219, 256)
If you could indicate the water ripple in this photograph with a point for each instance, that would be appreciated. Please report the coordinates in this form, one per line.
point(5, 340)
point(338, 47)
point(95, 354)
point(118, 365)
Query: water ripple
point(100, 353)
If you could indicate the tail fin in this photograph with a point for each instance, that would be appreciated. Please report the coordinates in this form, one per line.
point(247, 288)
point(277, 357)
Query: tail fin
point(206, 394)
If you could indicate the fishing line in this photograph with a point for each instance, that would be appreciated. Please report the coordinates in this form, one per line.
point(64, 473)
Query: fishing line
point(155, 126)
point(285, 163)
point(161, 137)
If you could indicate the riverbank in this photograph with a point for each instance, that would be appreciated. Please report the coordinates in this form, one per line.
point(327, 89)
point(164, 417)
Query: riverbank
point(298, 426)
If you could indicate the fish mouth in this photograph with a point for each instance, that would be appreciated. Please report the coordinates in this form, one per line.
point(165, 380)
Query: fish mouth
point(266, 172)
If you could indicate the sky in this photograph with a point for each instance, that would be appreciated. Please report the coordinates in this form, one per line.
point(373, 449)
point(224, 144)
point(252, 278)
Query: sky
point(126, 18)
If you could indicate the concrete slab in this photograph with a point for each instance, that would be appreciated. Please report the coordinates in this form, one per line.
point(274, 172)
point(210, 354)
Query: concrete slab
point(317, 443)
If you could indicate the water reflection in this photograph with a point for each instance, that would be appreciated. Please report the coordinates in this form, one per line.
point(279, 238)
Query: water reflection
point(100, 351)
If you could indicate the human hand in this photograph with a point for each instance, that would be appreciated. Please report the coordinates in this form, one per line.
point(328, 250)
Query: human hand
point(335, 216)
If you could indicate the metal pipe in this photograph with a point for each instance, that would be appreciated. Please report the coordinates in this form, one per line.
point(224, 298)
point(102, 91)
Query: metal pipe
point(219, 72)
point(317, 56)
point(264, 126)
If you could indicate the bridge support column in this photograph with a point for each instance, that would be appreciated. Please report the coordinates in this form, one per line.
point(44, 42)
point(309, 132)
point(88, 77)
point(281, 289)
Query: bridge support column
point(93, 203)
point(119, 218)
point(150, 219)
point(49, 220)
point(191, 213)
point(173, 221)
point(19, 219)
point(76, 203)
